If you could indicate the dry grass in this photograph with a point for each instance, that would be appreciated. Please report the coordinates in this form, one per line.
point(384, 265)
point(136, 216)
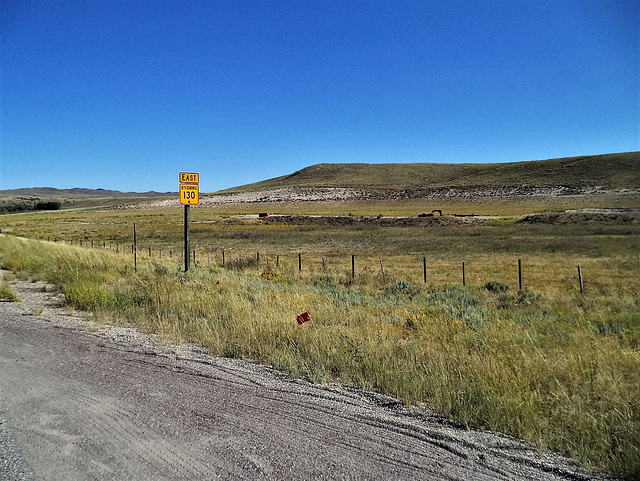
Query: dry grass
point(545, 364)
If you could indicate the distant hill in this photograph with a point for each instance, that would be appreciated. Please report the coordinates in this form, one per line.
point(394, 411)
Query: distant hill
point(48, 198)
point(75, 193)
point(613, 171)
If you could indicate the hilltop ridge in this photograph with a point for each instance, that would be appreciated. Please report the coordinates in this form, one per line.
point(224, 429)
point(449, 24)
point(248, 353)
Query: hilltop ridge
point(611, 171)
point(76, 192)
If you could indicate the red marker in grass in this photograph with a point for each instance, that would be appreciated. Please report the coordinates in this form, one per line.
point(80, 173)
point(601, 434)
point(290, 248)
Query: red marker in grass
point(304, 317)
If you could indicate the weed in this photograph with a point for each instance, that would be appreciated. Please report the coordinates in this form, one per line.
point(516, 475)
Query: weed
point(270, 275)
point(6, 293)
point(35, 311)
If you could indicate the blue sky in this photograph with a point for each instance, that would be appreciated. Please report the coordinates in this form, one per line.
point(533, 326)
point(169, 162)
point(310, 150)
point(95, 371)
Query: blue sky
point(125, 94)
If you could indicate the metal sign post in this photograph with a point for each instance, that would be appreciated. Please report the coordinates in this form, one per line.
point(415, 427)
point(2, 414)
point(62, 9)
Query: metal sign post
point(187, 229)
point(189, 195)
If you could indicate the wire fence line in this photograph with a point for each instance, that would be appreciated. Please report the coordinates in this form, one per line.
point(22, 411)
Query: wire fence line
point(432, 269)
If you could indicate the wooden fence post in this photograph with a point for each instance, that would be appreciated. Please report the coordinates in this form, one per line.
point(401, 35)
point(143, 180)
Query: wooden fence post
point(520, 274)
point(580, 279)
point(464, 276)
point(353, 266)
point(382, 269)
point(424, 268)
point(299, 261)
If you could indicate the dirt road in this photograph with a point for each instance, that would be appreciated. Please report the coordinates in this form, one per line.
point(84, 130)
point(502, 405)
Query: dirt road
point(81, 404)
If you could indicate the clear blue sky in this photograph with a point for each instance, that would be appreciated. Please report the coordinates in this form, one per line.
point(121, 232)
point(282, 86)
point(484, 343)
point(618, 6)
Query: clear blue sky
point(124, 94)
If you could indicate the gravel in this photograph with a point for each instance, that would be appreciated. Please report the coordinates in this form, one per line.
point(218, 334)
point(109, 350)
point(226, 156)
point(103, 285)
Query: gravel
point(12, 465)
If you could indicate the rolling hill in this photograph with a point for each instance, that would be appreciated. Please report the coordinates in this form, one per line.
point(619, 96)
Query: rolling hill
point(610, 171)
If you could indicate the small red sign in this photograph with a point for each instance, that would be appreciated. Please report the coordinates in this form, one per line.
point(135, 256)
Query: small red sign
point(304, 317)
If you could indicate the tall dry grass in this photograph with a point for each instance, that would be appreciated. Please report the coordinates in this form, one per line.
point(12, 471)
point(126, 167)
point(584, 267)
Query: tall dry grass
point(545, 364)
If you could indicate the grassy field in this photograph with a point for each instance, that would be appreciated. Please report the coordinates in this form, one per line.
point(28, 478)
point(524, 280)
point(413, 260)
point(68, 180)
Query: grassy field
point(546, 363)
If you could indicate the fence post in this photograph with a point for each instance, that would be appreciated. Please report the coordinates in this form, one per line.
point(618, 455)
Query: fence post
point(382, 269)
point(464, 276)
point(353, 266)
point(580, 280)
point(278, 260)
point(135, 248)
point(520, 274)
point(223, 261)
point(424, 268)
point(299, 261)
point(257, 257)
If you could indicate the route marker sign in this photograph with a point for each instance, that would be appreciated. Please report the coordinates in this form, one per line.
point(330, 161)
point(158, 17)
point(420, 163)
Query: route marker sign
point(189, 194)
point(189, 178)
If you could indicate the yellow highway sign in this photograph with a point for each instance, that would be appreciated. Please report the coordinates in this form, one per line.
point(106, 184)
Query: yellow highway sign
point(189, 178)
point(189, 194)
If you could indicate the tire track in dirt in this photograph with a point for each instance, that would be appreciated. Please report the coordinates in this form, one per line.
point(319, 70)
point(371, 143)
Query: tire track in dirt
point(113, 422)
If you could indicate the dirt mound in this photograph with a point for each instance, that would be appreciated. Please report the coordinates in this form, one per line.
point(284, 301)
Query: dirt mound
point(630, 216)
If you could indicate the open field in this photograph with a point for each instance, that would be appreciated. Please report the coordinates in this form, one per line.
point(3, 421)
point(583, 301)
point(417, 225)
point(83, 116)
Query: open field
point(546, 364)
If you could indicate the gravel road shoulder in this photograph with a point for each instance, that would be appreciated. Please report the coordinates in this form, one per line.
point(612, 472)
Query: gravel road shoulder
point(78, 401)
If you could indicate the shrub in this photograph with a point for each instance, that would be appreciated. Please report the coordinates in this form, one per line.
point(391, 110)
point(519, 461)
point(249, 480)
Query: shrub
point(496, 286)
point(527, 297)
point(241, 262)
point(325, 282)
point(460, 305)
point(400, 287)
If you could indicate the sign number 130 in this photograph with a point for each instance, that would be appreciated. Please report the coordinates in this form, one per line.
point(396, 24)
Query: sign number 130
point(189, 194)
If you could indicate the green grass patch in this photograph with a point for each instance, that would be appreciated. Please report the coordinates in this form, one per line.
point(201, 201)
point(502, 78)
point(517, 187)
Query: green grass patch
point(6, 293)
